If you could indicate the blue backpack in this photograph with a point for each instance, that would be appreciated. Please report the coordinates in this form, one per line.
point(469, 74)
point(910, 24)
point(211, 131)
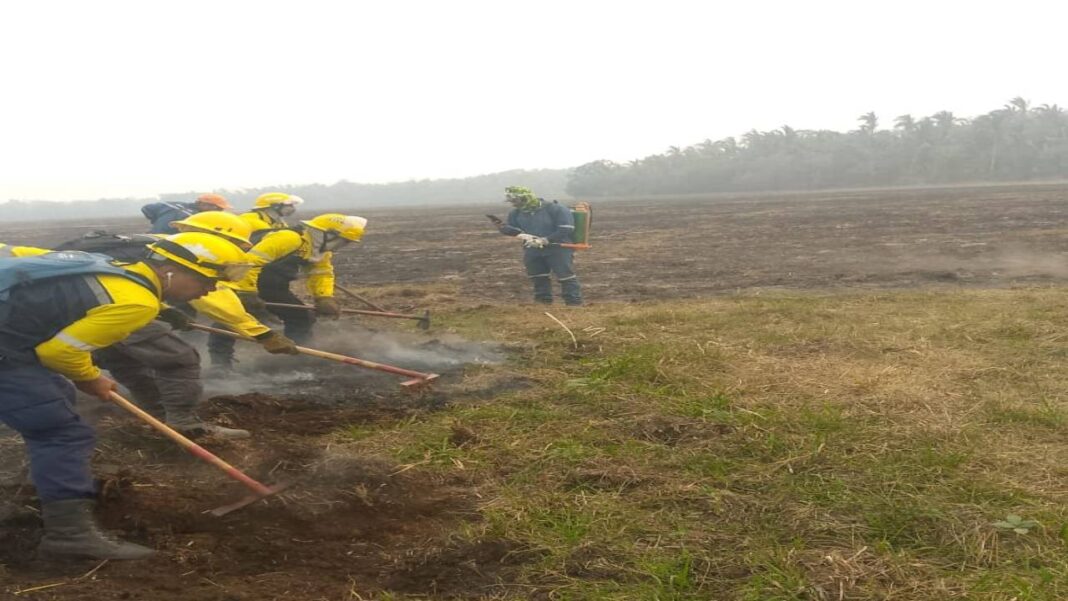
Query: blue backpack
point(15, 271)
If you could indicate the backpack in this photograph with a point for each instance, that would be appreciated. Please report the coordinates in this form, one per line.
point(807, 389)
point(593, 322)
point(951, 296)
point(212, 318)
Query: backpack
point(128, 248)
point(23, 270)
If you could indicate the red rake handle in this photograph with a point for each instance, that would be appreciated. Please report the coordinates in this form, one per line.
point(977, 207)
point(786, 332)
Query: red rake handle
point(195, 449)
point(332, 356)
point(364, 363)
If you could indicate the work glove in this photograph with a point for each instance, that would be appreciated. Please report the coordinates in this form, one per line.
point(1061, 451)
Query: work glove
point(326, 306)
point(278, 344)
point(177, 319)
point(252, 302)
point(536, 242)
point(526, 239)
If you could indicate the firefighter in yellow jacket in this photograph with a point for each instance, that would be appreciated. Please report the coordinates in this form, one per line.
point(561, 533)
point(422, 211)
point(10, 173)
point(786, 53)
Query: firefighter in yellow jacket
point(279, 258)
point(270, 211)
point(161, 370)
point(48, 328)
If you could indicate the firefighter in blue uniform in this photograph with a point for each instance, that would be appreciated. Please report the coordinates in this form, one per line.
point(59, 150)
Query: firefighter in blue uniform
point(542, 227)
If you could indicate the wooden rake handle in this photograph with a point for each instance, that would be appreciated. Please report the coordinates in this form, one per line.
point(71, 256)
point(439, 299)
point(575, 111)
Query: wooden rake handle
point(418, 378)
point(424, 317)
point(195, 449)
point(360, 298)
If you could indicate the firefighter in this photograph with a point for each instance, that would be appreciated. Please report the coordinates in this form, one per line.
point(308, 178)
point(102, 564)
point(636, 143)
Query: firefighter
point(162, 214)
point(270, 211)
point(161, 370)
point(542, 226)
point(49, 325)
point(279, 258)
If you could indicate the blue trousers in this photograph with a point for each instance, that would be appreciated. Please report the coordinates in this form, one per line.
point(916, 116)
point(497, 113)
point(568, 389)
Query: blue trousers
point(39, 405)
point(543, 262)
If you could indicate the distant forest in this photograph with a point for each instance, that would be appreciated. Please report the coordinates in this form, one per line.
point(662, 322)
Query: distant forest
point(1014, 143)
point(1017, 142)
point(342, 195)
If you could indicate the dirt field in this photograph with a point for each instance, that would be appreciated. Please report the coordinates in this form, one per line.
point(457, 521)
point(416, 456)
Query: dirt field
point(360, 526)
point(689, 247)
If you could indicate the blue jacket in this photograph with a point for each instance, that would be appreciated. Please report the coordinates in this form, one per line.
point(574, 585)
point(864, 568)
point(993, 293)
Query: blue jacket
point(161, 214)
point(551, 220)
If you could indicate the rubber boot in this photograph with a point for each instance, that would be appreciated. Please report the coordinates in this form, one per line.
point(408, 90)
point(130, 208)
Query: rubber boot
point(222, 365)
point(188, 424)
point(71, 532)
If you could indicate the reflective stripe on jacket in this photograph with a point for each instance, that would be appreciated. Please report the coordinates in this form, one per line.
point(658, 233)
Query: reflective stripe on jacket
point(58, 322)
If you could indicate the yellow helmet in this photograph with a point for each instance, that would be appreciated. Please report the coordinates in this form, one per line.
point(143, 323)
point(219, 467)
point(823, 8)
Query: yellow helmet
point(207, 254)
point(349, 227)
point(271, 199)
point(227, 225)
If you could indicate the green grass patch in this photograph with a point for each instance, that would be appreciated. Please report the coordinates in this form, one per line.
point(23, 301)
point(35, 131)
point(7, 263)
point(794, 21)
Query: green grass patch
point(773, 447)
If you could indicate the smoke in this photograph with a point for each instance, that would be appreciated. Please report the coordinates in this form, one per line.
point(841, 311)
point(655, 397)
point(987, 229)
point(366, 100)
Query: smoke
point(257, 371)
point(988, 263)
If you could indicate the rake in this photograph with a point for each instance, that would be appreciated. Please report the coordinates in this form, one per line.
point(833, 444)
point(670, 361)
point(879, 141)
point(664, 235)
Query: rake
point(424, 319)
point(418, 378)
point(259, 490)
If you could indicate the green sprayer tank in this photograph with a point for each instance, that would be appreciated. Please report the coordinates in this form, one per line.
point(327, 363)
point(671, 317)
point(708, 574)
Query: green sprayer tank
point(583, 214)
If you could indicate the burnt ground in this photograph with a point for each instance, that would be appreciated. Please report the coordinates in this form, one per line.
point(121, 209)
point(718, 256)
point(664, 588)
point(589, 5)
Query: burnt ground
point(694, 246)
point(355, 526)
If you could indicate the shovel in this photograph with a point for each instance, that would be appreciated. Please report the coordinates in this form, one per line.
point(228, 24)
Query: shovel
point(424, 319)
point(259, 490)
point(418, 378)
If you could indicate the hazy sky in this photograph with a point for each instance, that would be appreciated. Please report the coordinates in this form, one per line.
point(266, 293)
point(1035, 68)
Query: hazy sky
point(117, 98)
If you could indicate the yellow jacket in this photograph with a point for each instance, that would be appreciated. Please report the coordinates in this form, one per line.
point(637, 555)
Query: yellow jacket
point(132, 306)
point(224, 306)
point(7, 251)
point(262, 220)
point(281, 244)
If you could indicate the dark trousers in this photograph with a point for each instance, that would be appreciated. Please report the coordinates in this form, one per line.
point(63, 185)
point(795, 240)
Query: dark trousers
point(273, 288)
point(39, 405)
point(161, 370)
point(541, 263)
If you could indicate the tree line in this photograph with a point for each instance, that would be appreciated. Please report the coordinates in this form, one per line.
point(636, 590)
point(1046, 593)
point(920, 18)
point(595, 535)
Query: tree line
point(1016, 142)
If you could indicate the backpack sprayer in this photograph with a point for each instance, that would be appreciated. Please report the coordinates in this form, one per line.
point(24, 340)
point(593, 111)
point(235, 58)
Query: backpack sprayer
point(582, 213)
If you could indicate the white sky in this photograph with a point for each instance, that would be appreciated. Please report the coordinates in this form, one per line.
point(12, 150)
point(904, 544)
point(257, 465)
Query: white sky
point(134, 98)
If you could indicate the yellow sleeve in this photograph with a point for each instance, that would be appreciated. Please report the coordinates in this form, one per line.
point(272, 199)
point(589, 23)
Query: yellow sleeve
point(321, 277)
point(255, 221)
point(223, 306)
point(68, 352)
point(273, 247)
point(7, 251)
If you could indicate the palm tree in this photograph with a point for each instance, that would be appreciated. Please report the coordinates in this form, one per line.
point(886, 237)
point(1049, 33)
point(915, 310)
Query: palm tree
point(1018, 104)
point(945, 120)
point(906, 124)
point(868, 122)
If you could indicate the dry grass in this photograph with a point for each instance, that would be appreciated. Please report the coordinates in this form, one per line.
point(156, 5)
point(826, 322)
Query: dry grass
point(804, 446)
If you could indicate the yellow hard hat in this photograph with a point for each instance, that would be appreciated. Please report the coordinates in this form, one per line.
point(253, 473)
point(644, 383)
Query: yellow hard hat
point(227, 225)
point(277, 198)
point(349, 227)
point(207, 254)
